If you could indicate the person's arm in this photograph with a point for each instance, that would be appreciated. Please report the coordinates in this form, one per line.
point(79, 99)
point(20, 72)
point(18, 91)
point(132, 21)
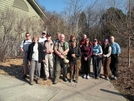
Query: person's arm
point(21, 46)
point(100, 50)
point(78, 53)
point(90, 52)
point(118, 49)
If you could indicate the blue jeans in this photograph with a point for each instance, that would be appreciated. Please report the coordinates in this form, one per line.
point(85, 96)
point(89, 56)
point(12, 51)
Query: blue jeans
point(97, 62)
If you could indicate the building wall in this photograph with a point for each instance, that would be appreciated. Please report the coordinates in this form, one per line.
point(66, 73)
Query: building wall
point(22, 7)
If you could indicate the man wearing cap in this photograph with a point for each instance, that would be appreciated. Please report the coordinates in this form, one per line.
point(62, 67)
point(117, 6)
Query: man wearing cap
point(48, 46)
point(61, 49)
point(43, 37)
point(42, 40)
point(114, 57)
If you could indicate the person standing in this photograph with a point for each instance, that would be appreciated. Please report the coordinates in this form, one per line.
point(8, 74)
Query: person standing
point(87, 49)
point(35, 56)
point(42, 39)
point(48, 47)
point(106, 58)
point(24, 48)
point(75, 61)
point(97, 57)
point(81, 43)
point(116, 50)
point(61, 49)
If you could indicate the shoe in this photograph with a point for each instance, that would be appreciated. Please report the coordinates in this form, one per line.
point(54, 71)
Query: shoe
point(24, 76)
point(112, 76)
point(31, 83)
point(107, 78)
point(45, 78)
point(115, 78)
point(70, 81)
point(84, 76)
point(37, 81)
point(76, 81)
point(65, 79)
point(88, 76)
point(97, 77)
point(55, 82)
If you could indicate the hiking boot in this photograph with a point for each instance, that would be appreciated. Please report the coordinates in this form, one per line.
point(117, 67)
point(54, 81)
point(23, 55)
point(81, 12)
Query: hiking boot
point(76, 81)
point(70, 81)
point(37, 81)
point(46, 78)
point(24, 76)
point(65, 79)
point(97, 77)
point(31, 83)
point(55, 82)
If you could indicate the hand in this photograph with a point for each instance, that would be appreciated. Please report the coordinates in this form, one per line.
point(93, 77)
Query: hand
point(104, 55)
point(63, 53)
point(51, 51)
point(85, 58)
point(95, 54)
point(61, 56)
point(73, 55)
point(43, 61)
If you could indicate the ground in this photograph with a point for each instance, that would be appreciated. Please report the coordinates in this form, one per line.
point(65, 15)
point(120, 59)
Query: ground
point(124, 83)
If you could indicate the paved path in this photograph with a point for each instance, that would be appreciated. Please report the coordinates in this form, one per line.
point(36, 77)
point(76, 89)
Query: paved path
point(13, 89)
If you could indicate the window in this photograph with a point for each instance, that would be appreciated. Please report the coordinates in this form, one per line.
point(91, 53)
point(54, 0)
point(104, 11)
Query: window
point(20, 4)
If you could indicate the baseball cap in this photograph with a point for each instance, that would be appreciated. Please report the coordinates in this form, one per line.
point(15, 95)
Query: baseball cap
point(44, 32)
point(95, 40)
point(48, 34)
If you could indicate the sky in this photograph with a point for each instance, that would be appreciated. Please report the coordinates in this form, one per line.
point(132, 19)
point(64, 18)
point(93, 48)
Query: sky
point(57, 5)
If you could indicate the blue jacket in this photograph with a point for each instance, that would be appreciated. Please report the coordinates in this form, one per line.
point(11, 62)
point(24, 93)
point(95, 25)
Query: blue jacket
point(115, 48)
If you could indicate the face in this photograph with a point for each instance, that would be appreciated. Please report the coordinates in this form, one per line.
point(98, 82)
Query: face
point(105, 43)
point(84, 36)
point(48, 38)
point(87, 41)
point(111, 39)
point(28, 36)
point(73, 38)
point(95, 42)
point(62, 38)
point(43, 35)
point(74, 44)
point(58, 36)
point(35, 39)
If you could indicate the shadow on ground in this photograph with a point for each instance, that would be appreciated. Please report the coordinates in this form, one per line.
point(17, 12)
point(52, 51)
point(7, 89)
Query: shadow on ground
point(12, 70)
point(127, 96)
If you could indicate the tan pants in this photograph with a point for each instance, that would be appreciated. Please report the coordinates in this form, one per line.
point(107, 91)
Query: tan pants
point(74, 70)
point(48, 65)
point(106, 66)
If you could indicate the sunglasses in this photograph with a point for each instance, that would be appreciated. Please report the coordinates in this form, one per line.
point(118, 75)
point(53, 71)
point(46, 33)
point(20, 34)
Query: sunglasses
point(28, 36)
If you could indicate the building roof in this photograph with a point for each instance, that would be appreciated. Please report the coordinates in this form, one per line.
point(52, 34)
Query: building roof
point(36, 7)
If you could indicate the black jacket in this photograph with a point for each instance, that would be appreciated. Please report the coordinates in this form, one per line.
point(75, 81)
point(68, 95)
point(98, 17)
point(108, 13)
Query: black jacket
point(30, 52)
point(77, 52)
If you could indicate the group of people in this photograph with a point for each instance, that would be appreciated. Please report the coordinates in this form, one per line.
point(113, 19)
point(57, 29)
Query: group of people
point(58, 57)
